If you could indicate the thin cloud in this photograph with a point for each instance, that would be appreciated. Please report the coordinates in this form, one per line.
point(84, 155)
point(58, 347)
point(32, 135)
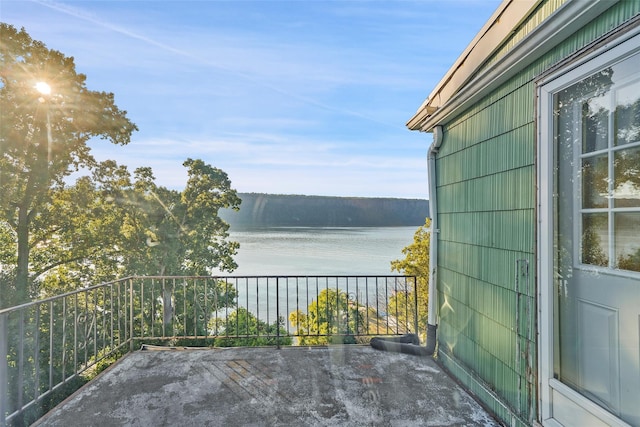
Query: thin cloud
point(304, 97)
point(203, 59)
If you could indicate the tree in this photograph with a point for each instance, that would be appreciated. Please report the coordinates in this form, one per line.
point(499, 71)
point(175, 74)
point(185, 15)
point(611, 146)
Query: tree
point(117, 225)
point(243, 328)
point(170, 232)
point(43, 139)
point(332, 318)
point(415, 263)
point(630, 261)
point(82, 243)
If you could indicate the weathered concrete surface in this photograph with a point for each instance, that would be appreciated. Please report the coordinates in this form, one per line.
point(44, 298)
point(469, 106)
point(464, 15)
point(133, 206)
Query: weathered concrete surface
point(323, 386)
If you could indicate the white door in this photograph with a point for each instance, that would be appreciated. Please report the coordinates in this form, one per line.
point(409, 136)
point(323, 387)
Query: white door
point(590, 230)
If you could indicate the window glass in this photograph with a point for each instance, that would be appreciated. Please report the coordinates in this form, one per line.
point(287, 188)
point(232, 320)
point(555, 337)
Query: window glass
point(595, 119)
point(627, 240)
point(628, 114)
point(595, 239)
point(595, 178)
point(597, 123)
point(626, 189)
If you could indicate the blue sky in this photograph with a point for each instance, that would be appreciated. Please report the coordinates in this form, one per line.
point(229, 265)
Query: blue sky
point(287, 97)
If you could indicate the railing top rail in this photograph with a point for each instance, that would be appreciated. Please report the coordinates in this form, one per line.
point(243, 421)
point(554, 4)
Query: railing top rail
point(63, 295)
point(274, 276)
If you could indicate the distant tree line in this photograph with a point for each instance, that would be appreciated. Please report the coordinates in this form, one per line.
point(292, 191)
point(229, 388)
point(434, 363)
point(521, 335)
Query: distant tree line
point(276, 210)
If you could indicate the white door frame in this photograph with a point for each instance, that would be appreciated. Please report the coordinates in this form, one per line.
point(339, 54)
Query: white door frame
point(552, 390)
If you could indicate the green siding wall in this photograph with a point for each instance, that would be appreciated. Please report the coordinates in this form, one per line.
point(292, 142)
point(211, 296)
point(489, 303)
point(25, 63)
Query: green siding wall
point(486, 189)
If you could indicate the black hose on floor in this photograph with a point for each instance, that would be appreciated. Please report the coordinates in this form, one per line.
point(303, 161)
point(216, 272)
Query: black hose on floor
point(407, 344)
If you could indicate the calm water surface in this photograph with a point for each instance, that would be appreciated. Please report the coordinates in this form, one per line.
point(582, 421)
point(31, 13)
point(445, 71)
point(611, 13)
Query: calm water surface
point(320, 250)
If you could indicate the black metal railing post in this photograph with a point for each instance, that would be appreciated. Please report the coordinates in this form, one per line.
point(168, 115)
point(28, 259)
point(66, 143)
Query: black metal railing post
point(131, 315)
point(4, 377)
point(278, 313)
point(415, 303)
point(167, 308)
point(20, 349)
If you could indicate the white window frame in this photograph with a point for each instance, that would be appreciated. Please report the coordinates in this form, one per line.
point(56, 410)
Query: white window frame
point(606, 55)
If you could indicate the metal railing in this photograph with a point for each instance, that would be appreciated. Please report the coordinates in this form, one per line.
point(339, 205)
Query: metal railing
point(50, 347)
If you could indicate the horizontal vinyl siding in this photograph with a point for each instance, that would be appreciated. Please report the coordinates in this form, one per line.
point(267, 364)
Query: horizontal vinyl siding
point(486, 189)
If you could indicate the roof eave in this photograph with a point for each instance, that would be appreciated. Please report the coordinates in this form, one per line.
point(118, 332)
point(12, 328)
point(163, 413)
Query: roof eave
point(562, 23)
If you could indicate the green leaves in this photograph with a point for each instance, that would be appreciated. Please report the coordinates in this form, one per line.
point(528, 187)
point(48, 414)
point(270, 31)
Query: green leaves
point(108, 224)
point(179, 232)
point(415, 263)
point(243, 328)
point(111, 225)
point(43, 139)
point(332, 317)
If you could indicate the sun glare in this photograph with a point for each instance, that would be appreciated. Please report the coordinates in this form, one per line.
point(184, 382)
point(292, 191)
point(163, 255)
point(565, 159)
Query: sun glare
point(43, 88)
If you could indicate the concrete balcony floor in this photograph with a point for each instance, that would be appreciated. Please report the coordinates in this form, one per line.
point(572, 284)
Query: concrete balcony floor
point(343, 385)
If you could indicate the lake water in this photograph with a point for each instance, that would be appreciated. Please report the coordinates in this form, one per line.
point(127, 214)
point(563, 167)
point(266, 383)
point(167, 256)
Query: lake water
point(320, 250)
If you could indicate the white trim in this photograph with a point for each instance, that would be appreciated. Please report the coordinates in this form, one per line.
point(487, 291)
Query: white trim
point(588, 405)
point(608, 54)
point(545, 257)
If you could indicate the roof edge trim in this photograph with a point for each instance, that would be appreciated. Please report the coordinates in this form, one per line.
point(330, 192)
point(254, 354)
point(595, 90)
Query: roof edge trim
point(551, 32)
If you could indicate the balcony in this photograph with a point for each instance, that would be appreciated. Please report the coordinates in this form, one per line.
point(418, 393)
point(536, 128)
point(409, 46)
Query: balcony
point(163, 341)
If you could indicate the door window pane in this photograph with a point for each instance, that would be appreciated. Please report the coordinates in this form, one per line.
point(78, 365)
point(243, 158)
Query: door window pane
point(595, 179)
point(628, 114)
point(626, 166)
point(595, 239)
point(627, 240)
point(595, 119)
